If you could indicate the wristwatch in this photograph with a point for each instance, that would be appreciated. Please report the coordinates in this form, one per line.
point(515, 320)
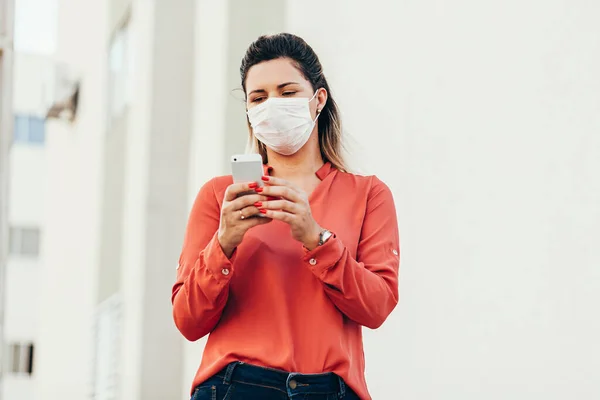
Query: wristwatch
point(324, 237)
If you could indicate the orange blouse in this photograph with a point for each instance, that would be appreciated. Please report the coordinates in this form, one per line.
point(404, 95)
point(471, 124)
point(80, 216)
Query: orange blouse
point(277, 305)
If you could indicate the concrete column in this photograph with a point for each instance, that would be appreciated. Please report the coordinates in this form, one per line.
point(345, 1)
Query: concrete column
point(156, 195)
point(247, 20)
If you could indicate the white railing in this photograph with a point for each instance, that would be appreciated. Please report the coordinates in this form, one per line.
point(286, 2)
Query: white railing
point(107, 336)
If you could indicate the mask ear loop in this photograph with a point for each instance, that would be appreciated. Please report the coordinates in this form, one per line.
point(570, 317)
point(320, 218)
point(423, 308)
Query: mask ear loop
point(318, 115)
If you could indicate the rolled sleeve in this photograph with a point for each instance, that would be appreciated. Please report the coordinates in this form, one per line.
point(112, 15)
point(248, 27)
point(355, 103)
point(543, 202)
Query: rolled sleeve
point(220, 267)
point(322, 258)
point(365, 287)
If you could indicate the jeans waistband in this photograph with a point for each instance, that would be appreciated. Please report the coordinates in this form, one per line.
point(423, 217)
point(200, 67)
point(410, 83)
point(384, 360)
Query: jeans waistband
point(292, 383)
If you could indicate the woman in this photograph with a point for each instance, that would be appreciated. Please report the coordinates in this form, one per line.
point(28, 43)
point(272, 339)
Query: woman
point(284, 296)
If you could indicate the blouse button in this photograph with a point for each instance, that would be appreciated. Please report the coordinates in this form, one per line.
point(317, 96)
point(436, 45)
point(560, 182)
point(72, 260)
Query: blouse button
point(312, 261)
point(395, 252)
point(225, 271)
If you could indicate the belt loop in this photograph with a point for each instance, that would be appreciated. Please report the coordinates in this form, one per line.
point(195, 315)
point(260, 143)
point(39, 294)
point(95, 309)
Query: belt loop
point(342, 393)
point(229, 372)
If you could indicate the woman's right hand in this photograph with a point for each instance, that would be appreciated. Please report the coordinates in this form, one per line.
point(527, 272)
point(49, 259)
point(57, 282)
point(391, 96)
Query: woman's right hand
point(238, 214)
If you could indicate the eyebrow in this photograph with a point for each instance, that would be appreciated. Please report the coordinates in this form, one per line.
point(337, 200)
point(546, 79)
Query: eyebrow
point(280, 86)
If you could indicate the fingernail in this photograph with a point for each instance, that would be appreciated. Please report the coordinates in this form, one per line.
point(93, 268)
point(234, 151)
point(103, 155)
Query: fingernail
point(258, 190)
point(263, 211)
point(252, 185)
point(258, 204)
point(265, 178)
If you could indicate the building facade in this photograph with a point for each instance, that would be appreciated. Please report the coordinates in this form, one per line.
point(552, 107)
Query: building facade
point(32, 84)
point(6, 68)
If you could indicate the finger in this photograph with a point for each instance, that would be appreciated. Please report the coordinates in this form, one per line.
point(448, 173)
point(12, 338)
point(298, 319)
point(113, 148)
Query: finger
point(283, 205)
point(273, 181)
point(248, 212)
point(235, 189)
point(251, 221)
point(279, 215)
point(254, 221)
point(281, 191)
point(245, 201)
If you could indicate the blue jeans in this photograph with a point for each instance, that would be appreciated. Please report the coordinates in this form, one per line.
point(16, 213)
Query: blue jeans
point(240, 381)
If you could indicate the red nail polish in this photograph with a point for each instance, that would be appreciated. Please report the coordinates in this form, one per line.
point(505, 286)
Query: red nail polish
point(258, 204)
point(253, 185)
point(258, 190)
point(265, 178)
point(263, 211)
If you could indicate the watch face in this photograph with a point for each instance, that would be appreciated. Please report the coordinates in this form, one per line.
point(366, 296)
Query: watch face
point(325, 235)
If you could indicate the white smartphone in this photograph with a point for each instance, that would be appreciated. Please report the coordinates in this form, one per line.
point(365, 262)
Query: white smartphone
point(246, 168)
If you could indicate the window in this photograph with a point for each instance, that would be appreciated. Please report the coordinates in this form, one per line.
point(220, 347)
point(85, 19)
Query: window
point(29, 129)
point(20, 358)
point(24, 241)
point(120, 69)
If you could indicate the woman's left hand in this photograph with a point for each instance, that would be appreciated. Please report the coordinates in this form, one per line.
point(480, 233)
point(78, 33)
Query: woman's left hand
point(291, 207)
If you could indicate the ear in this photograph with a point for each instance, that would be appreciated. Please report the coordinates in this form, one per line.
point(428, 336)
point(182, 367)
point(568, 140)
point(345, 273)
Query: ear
point(322, 96)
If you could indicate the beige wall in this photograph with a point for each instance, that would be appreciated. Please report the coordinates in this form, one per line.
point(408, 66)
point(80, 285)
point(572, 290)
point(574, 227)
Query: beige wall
point(483, 118)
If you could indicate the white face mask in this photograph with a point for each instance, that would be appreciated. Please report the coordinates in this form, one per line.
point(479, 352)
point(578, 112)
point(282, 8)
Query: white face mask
point(283, 124)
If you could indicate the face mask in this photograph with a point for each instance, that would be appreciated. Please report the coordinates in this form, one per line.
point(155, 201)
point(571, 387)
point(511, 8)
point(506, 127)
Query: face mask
point(283, 124)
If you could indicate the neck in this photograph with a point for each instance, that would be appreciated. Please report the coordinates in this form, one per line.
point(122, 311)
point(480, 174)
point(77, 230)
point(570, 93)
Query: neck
point(305, 162)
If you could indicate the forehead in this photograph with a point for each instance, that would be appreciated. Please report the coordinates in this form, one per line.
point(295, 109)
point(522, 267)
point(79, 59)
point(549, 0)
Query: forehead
point(271, 73)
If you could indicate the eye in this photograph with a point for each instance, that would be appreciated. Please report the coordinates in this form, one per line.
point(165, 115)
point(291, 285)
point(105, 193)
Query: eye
point(289, 93)
point(257, 99)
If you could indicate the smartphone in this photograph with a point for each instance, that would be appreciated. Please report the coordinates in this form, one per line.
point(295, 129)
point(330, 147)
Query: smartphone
point(247, 168)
